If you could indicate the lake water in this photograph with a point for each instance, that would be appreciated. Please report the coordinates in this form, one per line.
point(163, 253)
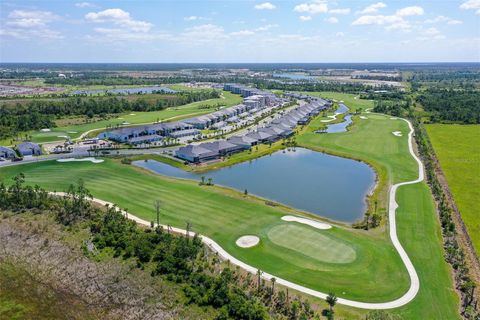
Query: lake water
point(294, 76)
point(322, 184)
point(342, 126)
point(143, 90)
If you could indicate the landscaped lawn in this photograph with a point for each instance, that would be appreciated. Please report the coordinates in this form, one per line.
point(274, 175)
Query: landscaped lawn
point(458, 149)
point(376, 273)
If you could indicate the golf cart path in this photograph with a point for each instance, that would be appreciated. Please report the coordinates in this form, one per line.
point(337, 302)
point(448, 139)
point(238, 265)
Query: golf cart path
point(392, 206)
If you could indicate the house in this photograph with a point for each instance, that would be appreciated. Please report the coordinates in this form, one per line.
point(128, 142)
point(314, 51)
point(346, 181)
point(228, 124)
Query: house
point(262, 136)
point(7, 153)
point(243, 141)
point(28, 148)
point(145, 139)
point(195, 153)
point(184, 133)
point(223, 147)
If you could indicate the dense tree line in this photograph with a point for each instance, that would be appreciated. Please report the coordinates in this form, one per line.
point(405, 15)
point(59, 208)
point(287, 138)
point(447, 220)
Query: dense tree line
point(396, 108)
point(447, 105)
point(39, 113)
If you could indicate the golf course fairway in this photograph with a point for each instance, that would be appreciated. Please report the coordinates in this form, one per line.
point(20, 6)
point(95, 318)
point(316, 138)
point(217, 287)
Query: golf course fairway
point(371, 270)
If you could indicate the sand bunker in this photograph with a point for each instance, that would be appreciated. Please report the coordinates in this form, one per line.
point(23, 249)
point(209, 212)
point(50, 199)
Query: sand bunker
point(91, 159)
point(331, 118)
point(397, 133)
point(363, 117)
point(72, 131)
point(247, 241)
point(312, 223)
point(393, 118)
point(45, 130)
point(132, 114)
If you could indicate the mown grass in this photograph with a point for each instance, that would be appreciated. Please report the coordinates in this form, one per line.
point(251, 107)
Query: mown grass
point(225, 215)
point(458, 150)
point(377, 274)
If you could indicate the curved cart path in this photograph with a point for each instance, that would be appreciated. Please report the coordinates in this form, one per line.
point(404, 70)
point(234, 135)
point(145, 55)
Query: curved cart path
point(392, 206)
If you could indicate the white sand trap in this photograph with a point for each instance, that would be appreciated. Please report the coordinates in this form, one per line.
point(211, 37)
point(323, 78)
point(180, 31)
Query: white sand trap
point(397, 133)
point(125, 122)
point(45, 130)
point(120, 118)
point(363, 117)
point(368, 110)
point(312, 223)
point(331, 118)
point(132, 114)
point(393, 118)
point(247, 241)
point(91, 159)
point(65, 137)
point(72, 131)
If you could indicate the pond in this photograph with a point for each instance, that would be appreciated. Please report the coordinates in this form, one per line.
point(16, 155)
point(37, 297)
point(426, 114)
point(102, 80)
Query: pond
point(143, 90)
point(295, 76)
point(329, 186)
point(339, 127)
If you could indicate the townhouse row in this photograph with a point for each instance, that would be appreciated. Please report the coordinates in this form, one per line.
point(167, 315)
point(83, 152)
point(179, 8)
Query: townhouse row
point(279, 128)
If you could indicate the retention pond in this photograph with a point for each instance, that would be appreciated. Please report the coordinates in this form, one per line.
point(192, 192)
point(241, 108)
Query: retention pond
point(329, 186)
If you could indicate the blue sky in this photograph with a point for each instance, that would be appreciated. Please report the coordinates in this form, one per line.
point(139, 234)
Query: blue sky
point(240, 31)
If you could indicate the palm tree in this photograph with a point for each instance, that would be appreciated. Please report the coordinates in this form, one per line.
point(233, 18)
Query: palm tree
point(273, 285)
point(331, 300)
point(259, 275)
point(157, 205)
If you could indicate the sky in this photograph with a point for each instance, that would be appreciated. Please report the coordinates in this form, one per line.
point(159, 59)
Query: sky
point(240, 31)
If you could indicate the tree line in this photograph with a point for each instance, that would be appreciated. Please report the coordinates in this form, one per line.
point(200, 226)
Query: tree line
point(448, 105)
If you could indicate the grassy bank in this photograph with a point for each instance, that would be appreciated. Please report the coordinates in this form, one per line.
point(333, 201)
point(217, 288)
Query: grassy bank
point(458, 150)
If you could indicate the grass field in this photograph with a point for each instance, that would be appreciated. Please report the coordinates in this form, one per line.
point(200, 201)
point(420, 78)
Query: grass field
point(458, 150)
point(177, 113)
point(376, 273)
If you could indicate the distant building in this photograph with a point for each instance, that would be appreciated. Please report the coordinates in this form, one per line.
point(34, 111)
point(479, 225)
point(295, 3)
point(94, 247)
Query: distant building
point(7, 153)
point(28, 148)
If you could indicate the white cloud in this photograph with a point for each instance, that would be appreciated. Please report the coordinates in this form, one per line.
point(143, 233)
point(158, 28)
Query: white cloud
point(204, 33)
point(266, 27)
point(340, 34)
point(373, 8)
point(242, 33)
point(447, 20)
point(305, 18)
point(194, 18)
point(471, 5)
point(312, 7)
point(410, 11)
point(391, 22)
point(84, 5)
point(265, 6)
point(332, 20)
point(119, 17)
point(431, 34)
point(339, 11)
point(27, 24)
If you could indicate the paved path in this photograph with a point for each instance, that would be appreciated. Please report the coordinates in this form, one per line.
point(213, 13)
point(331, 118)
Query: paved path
point(392, 206)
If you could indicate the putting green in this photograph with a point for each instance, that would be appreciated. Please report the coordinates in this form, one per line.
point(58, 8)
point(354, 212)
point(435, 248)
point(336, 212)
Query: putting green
point(314, 243)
